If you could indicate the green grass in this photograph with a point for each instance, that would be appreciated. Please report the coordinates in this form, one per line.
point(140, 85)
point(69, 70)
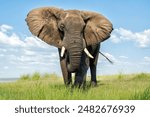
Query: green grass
point(51, 87)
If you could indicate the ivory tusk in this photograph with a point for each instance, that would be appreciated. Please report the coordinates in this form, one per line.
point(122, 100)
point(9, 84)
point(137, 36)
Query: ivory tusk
point(62, 51)
point(87, 52)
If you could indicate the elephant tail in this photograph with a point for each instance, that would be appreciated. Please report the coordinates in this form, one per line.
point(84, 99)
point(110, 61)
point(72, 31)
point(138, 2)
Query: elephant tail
point(106, 57)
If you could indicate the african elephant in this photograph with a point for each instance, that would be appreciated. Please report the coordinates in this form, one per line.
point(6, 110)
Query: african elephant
point(76, 34)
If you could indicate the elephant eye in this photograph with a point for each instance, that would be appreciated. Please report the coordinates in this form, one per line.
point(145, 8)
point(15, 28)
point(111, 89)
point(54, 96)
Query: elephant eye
point(61, 27)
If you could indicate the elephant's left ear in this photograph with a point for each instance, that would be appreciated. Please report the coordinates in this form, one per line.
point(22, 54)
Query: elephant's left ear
point(97, 29)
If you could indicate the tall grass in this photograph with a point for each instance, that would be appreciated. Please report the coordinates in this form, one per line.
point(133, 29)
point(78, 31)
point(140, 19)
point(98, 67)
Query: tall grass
point(51, 87)
point(145, 95)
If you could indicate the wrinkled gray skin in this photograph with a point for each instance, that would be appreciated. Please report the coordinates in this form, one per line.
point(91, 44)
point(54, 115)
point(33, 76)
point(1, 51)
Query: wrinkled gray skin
point(75, 60)
point(74, 30)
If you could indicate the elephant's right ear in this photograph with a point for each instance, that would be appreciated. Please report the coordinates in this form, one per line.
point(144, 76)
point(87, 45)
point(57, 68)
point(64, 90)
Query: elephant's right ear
point(42, 23)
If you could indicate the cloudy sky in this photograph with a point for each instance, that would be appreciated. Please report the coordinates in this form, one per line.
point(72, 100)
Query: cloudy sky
point(128, 47)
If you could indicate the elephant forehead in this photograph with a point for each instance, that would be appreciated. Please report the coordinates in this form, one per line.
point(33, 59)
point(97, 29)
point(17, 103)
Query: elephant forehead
point(74, 19)
point(73, 13)
point(77, 12)
point(75, 16)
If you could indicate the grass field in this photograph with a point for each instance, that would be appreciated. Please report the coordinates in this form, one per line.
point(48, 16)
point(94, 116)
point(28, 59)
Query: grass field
point(51, 87)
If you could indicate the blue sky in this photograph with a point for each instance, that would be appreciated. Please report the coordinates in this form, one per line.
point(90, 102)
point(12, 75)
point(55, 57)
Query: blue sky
point(128, 47)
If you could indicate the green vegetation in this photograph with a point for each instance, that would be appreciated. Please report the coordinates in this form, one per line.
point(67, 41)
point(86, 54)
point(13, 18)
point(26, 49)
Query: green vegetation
point(51, 86)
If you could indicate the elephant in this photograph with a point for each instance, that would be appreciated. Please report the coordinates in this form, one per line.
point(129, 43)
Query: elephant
point(77, 35)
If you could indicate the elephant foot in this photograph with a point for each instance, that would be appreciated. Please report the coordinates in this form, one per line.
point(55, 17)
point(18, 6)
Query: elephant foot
point(68, 83)
point(93, 84)
point(79, 85)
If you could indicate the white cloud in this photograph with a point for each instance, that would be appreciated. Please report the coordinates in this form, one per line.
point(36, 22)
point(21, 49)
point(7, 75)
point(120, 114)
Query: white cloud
point(29, 52)
point(23, 67)
point(122, 64)
point(124, 57)
point(25, 54)
point(3, 50)
point(13, 40)
point(147, 59)
point(115, 39)
point(5, 67)
point(27, 57)
point(54, 55)
point(5, 28)
point(141, 38)
point(110, 56)
point(117, 61)
point(10, 38)
point(34, 42)
point(1, 55)
point(145, 63)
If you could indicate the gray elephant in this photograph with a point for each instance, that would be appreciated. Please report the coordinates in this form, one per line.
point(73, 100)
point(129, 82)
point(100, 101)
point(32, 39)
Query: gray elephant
point(76, 34)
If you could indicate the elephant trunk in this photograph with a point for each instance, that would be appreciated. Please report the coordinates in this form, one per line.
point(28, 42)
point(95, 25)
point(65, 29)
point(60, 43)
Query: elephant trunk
point(75, 49)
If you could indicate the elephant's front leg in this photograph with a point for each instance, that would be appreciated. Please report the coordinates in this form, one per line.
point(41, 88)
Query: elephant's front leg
point(66, 75)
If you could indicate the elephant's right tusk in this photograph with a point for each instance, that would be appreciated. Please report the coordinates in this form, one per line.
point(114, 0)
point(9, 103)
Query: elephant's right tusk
point(87, 52)
point(62, 51)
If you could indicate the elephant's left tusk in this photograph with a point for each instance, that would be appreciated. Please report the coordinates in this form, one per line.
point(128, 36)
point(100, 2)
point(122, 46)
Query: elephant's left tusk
point(62, 51)
point(87, 52)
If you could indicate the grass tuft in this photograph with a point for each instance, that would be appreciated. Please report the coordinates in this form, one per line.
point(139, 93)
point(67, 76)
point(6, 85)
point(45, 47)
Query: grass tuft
point(142, 76)
point(36, 76)
point(121, 76)
point(25, 77)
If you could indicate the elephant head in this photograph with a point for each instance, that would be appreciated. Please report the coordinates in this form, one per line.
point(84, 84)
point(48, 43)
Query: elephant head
point(70, 30)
